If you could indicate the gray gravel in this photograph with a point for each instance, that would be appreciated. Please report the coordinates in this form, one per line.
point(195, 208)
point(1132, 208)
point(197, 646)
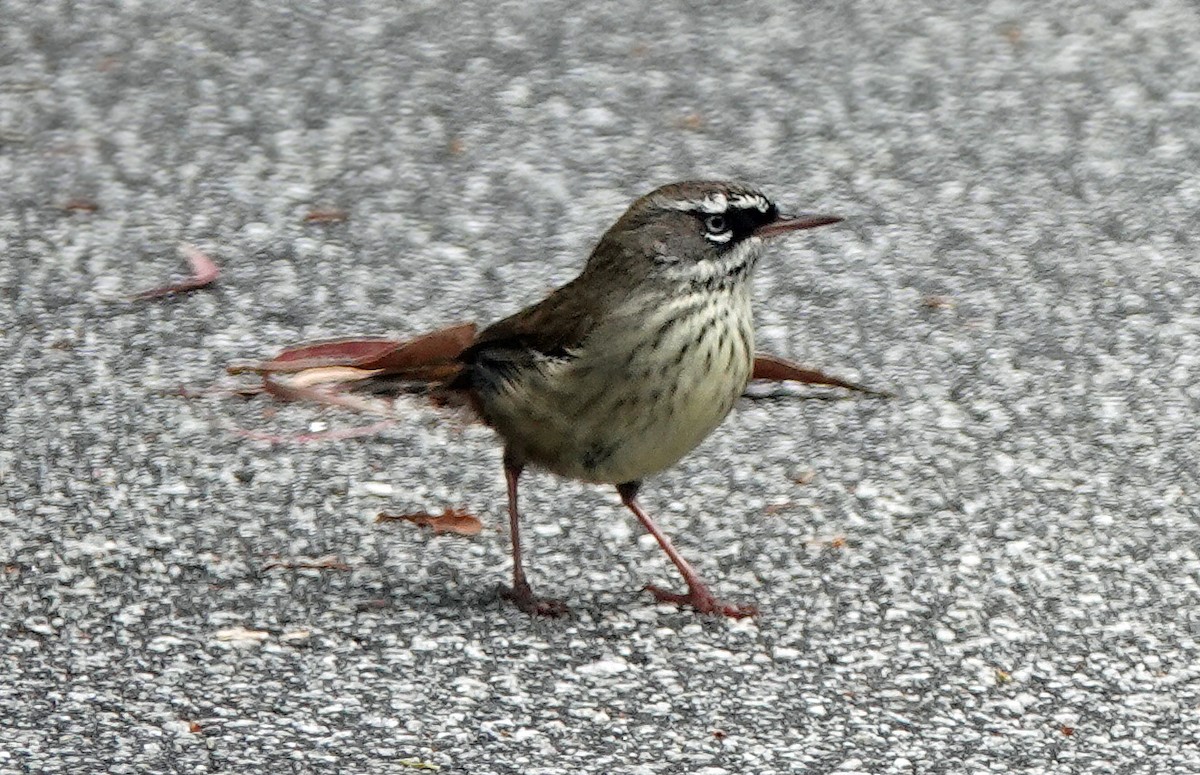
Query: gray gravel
point(994, 572)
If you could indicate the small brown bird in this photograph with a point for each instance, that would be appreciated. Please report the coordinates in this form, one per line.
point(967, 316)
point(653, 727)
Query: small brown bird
point(621, 372)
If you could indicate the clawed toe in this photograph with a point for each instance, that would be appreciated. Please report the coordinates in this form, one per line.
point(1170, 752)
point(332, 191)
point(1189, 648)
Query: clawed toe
point(524, 599)
point(701, 599)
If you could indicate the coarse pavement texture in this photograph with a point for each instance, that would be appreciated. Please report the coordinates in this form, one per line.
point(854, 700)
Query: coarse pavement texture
point(995, 571)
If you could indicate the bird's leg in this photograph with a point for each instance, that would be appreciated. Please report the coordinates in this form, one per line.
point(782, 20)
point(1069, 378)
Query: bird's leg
point(520, 592)
point(698, 596)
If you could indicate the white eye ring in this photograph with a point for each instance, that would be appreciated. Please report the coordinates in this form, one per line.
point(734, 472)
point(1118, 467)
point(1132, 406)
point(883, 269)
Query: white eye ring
point(716, 224)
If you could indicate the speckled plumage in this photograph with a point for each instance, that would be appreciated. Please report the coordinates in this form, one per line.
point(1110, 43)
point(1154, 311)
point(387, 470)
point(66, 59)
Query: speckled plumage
point(624, 370)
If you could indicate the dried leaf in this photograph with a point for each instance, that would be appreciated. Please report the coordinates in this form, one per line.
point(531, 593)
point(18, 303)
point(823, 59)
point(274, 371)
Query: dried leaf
point(424, 358)
point(204, 272)
point(195, 728)
point(282, 387)
point(449, 521)
point(772, 368)
point(80, 205)
point(325, 375)
point(331, 215)
point(414, 763)
point(1065, 730)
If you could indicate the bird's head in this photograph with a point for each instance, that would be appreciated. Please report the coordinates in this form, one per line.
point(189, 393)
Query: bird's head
point(698, 232)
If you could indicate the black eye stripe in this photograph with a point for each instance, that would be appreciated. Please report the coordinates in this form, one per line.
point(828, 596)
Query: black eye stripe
point(742, 221)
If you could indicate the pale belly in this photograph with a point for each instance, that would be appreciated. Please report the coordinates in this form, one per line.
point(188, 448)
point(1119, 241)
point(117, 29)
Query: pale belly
point(619, 412)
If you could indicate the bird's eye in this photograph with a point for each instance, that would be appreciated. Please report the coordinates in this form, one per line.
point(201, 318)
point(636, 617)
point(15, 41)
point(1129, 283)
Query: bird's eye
point(715, 224)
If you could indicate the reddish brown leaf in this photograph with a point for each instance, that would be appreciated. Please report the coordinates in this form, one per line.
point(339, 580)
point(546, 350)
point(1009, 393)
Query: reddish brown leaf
point(326, 216)
point(1066, 731)
point(939, 302)
point(772, 368)
point(427, 358)
point(80, 205)
point(195, 728)
point(204, 272)
point(449, 521)
point(290, 390)
point(334, 376)
point(439, 347)
point(312, 355)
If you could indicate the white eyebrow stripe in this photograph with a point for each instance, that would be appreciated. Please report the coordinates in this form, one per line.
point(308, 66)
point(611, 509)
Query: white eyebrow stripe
point(713, 203)
point(746, 201)
point(718, 203)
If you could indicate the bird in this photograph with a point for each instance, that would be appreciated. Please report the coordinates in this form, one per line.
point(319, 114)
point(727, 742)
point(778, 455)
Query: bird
point(621, 372)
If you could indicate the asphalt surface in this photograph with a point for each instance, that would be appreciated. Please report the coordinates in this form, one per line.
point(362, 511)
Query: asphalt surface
point(995, 571)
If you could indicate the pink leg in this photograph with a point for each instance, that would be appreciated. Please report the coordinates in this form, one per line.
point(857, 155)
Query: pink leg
point(698, 596)
point(520, 592)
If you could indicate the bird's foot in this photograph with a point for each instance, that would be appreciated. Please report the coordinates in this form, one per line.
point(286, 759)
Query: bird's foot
point(700, 598)
point(522, 596)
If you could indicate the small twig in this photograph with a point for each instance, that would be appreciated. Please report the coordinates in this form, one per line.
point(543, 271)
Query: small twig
point(204, 272)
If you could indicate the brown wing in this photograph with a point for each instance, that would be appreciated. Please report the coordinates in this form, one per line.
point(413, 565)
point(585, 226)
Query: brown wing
point(551, 327)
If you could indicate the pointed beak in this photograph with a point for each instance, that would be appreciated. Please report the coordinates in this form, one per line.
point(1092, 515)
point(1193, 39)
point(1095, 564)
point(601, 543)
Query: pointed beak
point(789, 223)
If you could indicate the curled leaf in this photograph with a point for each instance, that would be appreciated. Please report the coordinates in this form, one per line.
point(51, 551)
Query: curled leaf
point(80, 205)
point(449, 521)
point(431, 357)
point(204, 272)
point(326, 216)
point(772, 368)
point(288, 390)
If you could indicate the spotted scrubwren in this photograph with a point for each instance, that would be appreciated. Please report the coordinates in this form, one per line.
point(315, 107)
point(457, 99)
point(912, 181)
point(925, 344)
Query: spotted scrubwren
point(622, 371)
